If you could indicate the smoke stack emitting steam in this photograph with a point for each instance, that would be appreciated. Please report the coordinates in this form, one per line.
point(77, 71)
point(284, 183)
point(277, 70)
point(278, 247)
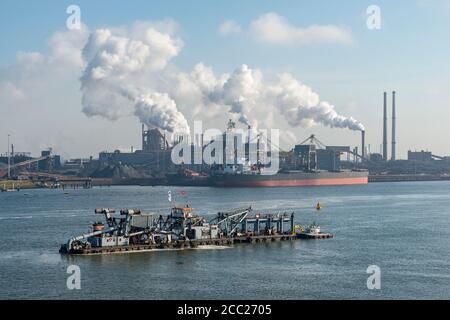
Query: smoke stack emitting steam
point(123, 76)
point(363, 144)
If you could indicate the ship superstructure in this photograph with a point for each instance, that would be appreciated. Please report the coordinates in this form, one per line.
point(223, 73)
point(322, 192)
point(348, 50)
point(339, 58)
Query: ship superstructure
point(310, 163)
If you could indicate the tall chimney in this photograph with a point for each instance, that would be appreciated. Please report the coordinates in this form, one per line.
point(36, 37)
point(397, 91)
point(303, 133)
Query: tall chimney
point(197, 140)
point(257, 150)
point(248, 143)
point(393, 153)
point(385, 128)
point(143, 137)
point(363, 144)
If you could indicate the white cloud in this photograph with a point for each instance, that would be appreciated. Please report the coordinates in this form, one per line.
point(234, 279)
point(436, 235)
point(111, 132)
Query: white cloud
point(40, 92)
point(34, 71)
point(229, 27)
point(275, 29)
point(10, 94)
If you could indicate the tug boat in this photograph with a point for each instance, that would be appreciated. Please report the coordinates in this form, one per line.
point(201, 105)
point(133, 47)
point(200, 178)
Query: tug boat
point(312, 232)
point(313, 229)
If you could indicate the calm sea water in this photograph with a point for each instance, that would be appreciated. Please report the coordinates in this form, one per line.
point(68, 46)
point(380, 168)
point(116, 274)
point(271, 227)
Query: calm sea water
point(404, 228)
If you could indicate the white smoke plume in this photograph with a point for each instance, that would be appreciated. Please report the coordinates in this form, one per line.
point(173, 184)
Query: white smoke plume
point(242, 90)
point(246, 95)
point(128, 72)
point(301, 106)
point(116, 67)
point(159, 108)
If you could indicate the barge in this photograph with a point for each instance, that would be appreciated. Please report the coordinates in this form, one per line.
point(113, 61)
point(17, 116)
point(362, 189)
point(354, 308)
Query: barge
point(135, 231)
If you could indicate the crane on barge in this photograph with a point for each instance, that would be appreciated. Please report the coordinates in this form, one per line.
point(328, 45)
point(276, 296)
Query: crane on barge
point(134, 230)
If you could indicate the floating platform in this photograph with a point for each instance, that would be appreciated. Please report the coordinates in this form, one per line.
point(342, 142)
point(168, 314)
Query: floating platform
point(176, 245)
point(134, 231)
point(192, 244)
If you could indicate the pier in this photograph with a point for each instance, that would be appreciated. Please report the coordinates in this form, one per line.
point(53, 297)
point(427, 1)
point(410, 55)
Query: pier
point(75, 183)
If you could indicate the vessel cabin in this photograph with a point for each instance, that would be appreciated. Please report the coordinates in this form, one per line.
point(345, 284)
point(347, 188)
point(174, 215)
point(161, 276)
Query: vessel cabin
point(182, 212)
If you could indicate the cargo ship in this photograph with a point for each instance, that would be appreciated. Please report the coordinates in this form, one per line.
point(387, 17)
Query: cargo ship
point(186, 177)
point(310, 163)
point(289, 179)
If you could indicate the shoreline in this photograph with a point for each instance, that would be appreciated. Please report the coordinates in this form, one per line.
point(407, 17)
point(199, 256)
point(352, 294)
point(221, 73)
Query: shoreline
point(105, 182)
point(408, 177)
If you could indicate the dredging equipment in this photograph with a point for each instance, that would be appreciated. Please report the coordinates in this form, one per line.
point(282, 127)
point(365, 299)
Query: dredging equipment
point(135, 231)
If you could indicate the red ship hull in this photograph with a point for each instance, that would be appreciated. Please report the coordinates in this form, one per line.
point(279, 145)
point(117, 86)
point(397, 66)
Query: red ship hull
point(292, 180)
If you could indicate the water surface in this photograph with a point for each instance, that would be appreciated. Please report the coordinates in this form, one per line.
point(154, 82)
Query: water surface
point(404, 228)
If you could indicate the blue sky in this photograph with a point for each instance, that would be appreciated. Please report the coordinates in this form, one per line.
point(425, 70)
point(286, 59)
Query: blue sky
point(410, 54)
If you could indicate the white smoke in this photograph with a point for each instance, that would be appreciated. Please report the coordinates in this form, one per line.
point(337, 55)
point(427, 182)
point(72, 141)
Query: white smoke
point(128, 72)
point(124, 70)
point(159, 108)
point(246, 95)
point(116, 68)
point(301, 106)
point(242, 90)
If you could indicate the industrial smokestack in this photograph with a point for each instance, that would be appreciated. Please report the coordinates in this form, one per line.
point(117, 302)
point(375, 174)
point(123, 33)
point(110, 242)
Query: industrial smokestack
point(143, 137)
point(363, 144)
point(248, 143)
point(385, 128)
point(257, 150)
point(393, 153)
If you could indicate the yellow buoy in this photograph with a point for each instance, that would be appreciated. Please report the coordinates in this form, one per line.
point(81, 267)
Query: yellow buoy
point(318, 206)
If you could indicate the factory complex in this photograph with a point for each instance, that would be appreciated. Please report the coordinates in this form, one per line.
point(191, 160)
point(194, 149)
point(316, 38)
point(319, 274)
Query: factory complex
point(246, 162)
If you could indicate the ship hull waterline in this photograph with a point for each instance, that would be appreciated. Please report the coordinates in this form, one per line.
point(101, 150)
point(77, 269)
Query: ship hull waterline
point(235, 181)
